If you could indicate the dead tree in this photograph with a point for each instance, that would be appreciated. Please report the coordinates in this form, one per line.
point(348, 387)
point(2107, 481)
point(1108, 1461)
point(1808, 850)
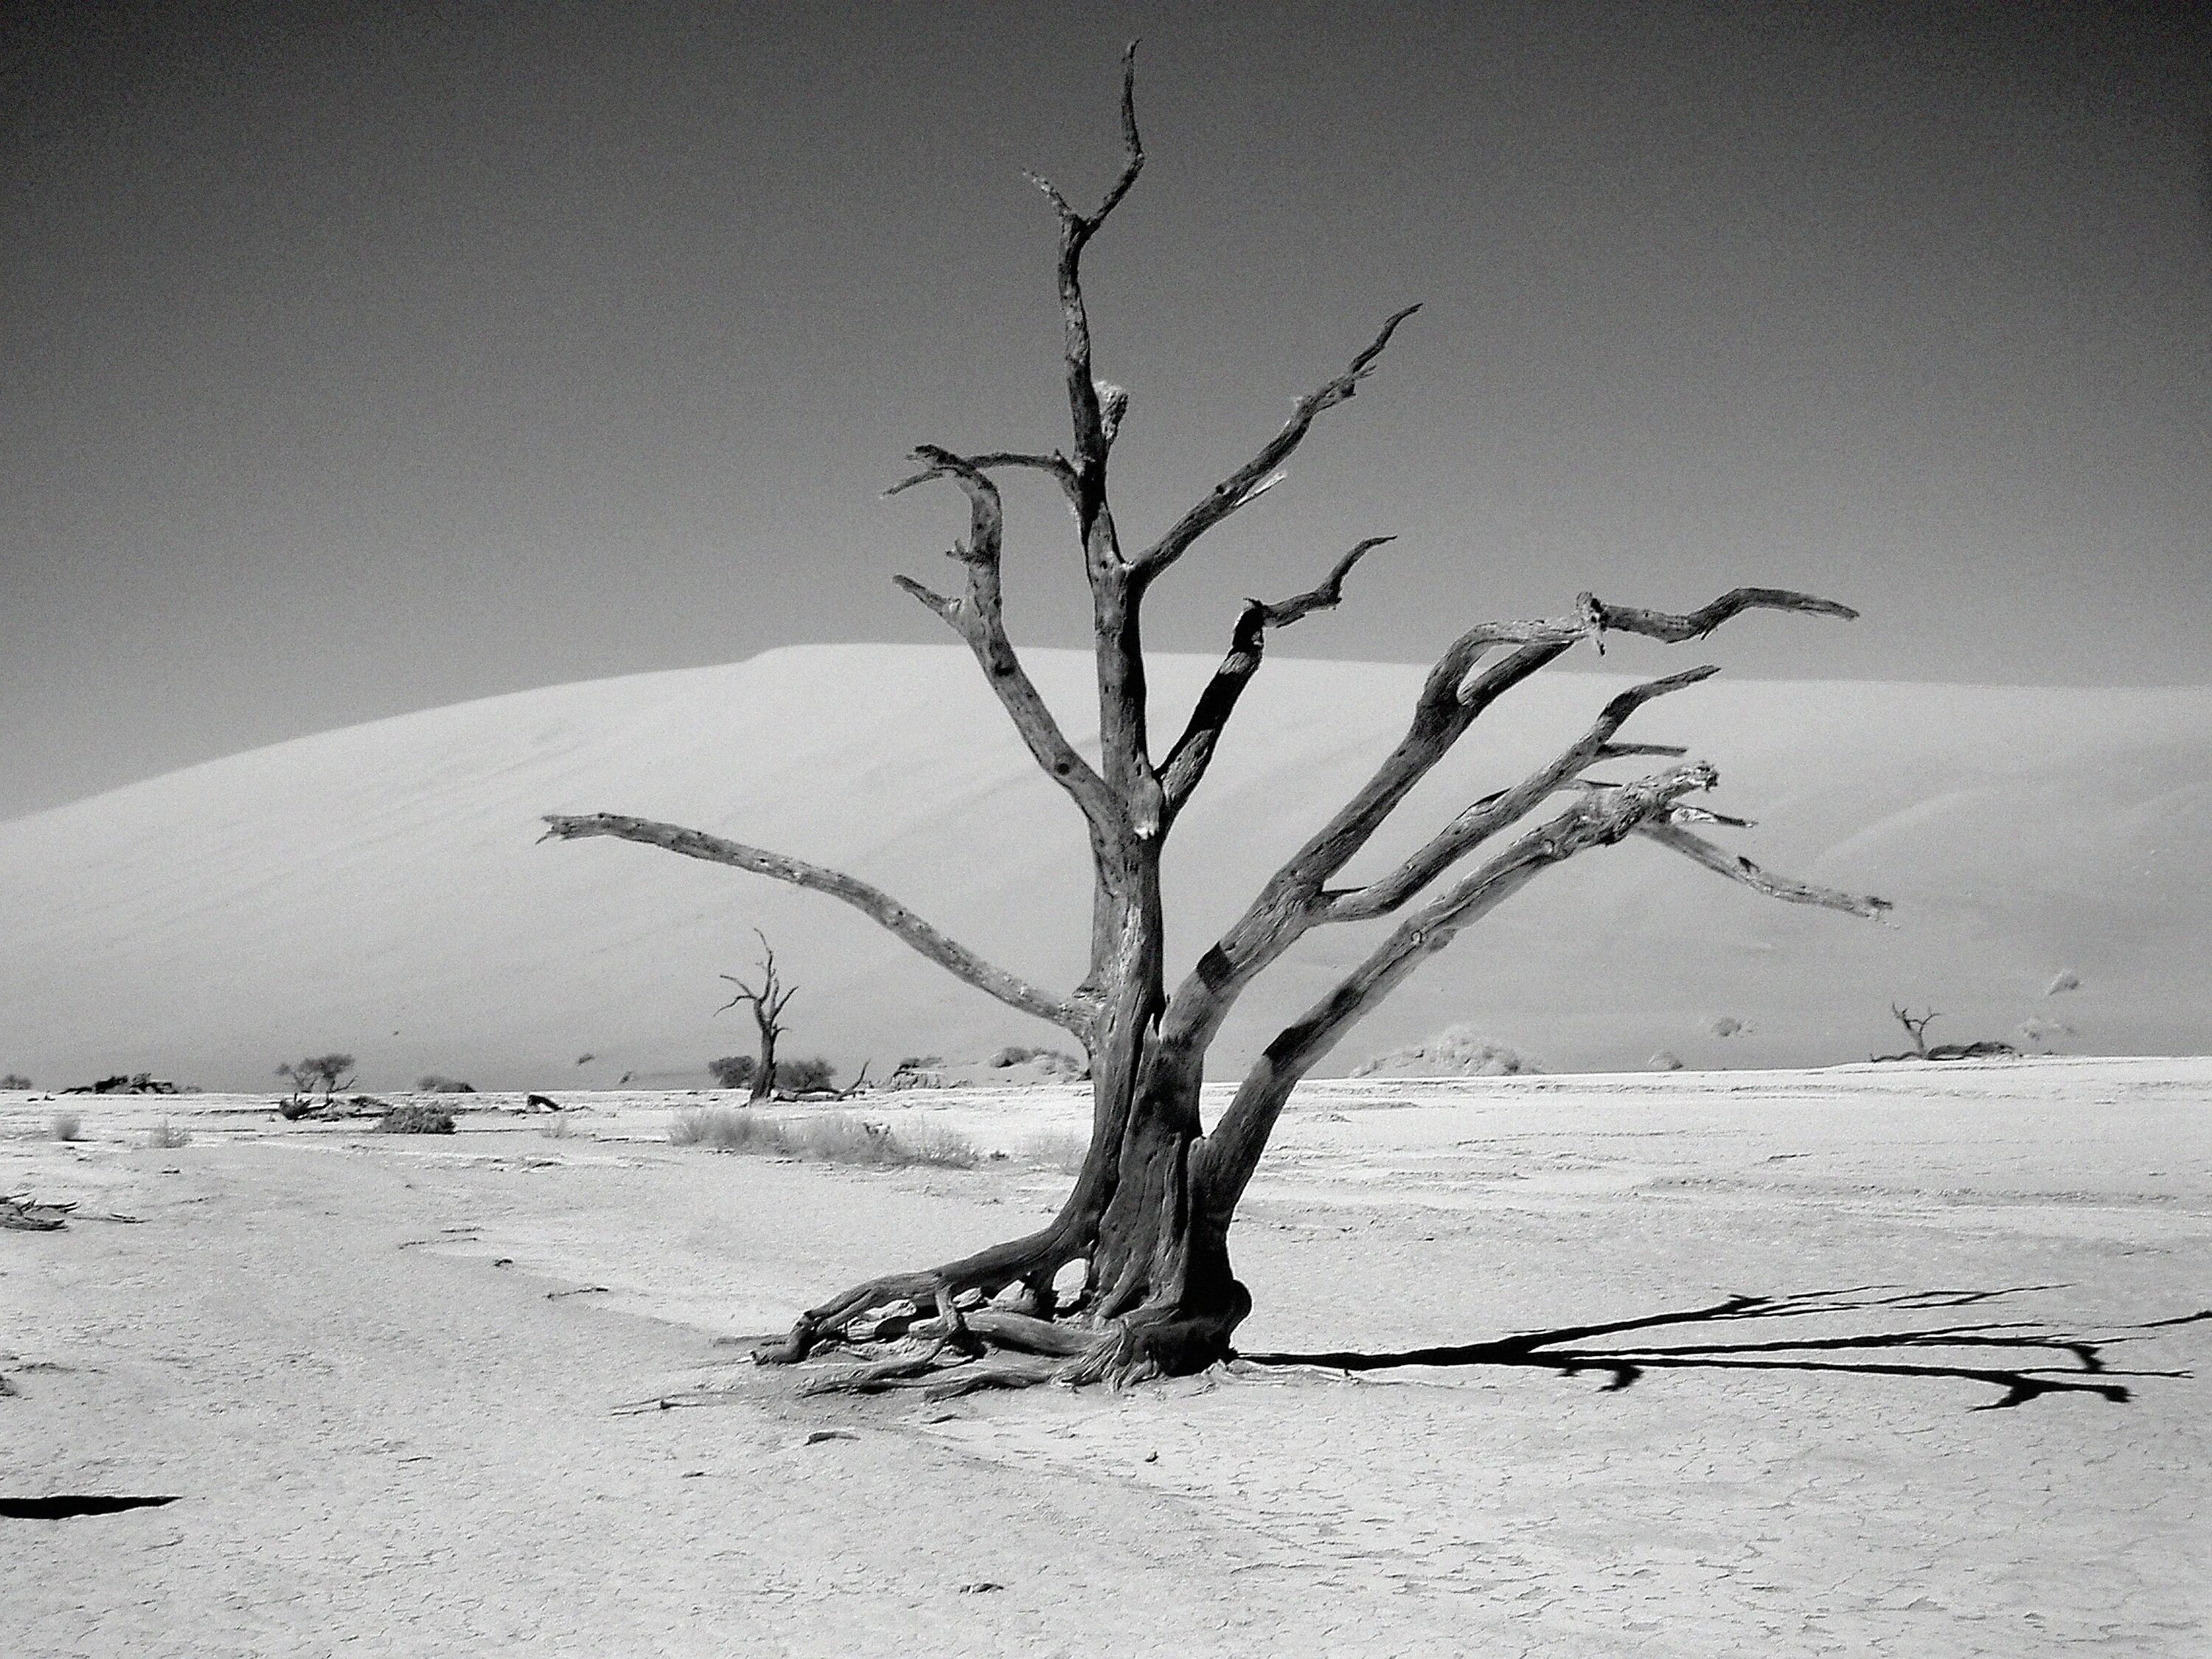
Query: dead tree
point(1149, 1215)
point(768, 1000)
point(1916, 1026)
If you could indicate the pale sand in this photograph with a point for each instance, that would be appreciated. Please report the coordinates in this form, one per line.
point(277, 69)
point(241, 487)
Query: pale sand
point(377, 890)
point(385, 1443)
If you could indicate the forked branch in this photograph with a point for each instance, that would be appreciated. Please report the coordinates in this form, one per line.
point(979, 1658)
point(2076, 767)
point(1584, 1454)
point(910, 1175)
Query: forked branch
point(1508, 806)
point(1258, 474)
point(1055, 464)
point(1187, 761)
point(1093, 435)
point(1603, 817)
point(1459, 689)
point(871, 900)
point(979, 617)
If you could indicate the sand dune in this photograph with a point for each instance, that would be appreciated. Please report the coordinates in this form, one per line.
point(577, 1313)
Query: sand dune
point(376, 889)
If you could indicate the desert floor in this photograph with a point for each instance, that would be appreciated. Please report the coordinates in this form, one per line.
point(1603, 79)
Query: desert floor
point(405, 1389)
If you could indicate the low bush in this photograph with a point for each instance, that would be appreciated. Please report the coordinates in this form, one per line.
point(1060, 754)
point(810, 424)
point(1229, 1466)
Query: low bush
point(802, 1076)
point(1462, 1051)
point(415, 1120)
point(66, 1126)
point(832, 1138)
point(165, 1136)
point(733, 1071)
point(436, 1083)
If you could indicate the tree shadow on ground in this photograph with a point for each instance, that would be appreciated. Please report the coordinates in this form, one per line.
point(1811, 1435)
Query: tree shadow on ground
point(2023, 1359)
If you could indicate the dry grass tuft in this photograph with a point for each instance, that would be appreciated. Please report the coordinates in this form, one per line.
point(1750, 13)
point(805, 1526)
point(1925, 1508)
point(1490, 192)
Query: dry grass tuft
point(65, 1125)
point(1061, 1149)
point(165, 1136)
point(414, 1120)
point(831, 1138)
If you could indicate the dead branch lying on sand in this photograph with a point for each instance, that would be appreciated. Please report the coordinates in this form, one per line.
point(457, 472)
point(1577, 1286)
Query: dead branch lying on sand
point(25, 1214)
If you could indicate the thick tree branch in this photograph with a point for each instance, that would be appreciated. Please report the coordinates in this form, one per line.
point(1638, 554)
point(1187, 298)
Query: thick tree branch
point(1056, 464)
point(1599, 617)
point(979, 618)
point(1187, 761)
point(871, 901)
point(1258, 474)
point(1456, 692)
point(1488, 816)
point(1234, 1148)
point(1736, 867)
point(1606, 816)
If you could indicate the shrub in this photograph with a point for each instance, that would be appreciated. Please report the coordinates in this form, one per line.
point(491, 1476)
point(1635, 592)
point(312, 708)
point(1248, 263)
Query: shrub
point(436, 1083)
point(65, 1125)
point(802, 1077)
point(415, 1120)
point(1458, 1052)
point(832, 1138)
point(728, 1129)
point(733, 1071)
point(1062, 1150)
point(165, 1136)
point(16, 1081)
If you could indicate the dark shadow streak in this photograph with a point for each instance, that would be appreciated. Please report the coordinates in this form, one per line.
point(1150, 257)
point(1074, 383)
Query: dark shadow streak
point(63, 1505)
point(1561, 1350)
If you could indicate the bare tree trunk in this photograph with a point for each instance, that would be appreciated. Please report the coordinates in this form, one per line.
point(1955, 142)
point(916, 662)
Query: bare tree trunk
point(764, 1068)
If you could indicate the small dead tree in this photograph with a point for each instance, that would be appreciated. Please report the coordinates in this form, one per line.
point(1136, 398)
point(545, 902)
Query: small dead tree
point(1149, 1215)
point(768, 1000)
point(329, 1072)
point(1916, 1026)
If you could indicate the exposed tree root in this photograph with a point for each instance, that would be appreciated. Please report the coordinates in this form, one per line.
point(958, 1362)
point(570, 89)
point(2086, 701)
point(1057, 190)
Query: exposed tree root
point(970, 1349)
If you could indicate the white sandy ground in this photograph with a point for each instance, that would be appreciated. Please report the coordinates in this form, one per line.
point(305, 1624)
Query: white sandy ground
point(395, 1431)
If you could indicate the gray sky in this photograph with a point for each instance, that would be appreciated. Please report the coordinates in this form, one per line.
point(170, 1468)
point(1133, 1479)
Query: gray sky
point(364, 359)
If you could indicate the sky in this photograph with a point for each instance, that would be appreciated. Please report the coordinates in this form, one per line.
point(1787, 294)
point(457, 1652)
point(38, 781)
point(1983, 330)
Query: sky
point(358, 360)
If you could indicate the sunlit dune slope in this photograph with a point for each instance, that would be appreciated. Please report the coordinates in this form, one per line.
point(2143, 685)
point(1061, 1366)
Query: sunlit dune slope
point(380, 889)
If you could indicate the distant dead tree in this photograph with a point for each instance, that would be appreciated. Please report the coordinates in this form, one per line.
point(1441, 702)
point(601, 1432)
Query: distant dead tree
point(1149, 1217)
point(329, 1072)
point(768, 1000)
point(1916, 1026)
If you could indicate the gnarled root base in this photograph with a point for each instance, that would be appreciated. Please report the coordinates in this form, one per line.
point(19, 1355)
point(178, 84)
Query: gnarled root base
point(962, 1350)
